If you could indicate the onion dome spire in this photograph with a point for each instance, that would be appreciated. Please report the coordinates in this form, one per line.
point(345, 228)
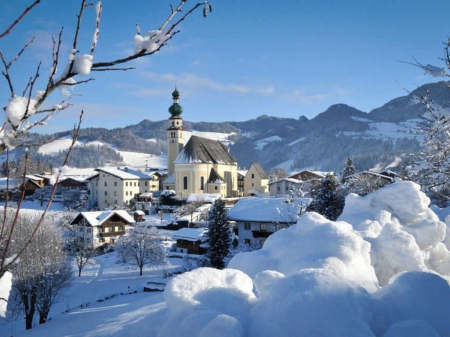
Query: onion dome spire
point(176, 109)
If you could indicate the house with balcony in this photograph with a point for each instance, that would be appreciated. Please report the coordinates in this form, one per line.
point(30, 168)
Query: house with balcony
point(93, 229)
point(257, 218)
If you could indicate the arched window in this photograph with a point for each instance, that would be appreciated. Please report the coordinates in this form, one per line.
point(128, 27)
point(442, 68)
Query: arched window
point(202, 183)
point(185, 183)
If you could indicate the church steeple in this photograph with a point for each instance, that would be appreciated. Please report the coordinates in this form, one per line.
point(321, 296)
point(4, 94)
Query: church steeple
point(175, 131)
point(176, 109)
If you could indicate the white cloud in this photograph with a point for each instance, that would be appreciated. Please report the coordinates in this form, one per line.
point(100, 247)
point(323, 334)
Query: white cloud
point(192, 80)
point(308, 95)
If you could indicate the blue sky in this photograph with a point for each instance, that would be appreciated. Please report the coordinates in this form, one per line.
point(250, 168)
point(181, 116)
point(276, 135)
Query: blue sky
point(248, 58)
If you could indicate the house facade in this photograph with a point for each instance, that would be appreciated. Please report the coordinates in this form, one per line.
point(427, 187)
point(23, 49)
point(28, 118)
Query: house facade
point(201, 166)
point(256, 180)
point(257, 218)
point(94, 229)
point(117, 186)
point(285, 186)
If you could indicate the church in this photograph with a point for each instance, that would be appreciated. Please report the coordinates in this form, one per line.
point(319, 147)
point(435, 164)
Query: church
point(202, 165)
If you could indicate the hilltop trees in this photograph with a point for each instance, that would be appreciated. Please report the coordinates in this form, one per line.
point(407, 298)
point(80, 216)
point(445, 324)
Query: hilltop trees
point(219, 238)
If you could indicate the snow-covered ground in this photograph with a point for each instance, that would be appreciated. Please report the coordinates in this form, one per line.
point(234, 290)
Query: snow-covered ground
point(382, 269)
point(260, 144)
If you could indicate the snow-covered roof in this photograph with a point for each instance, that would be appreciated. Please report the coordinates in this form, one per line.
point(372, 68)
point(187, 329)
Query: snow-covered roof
point(242, 172)
point(99, 217)
point(123, 173)
point(191, 234)
point(170, 179)
point(265, 209)
point(34, 177)
point(291, 180)
point(203, 197)
point(378, 175)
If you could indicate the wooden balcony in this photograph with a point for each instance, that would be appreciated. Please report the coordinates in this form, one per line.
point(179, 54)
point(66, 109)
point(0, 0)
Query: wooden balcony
point(261, 234)
point(109, 234)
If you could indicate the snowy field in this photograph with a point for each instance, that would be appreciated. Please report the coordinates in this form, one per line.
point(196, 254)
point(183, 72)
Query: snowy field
point(381, 270)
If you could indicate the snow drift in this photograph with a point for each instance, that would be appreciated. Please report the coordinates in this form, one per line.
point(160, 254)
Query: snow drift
point(378, 271)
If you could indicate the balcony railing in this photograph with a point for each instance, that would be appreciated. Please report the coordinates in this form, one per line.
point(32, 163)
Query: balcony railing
point(109, 234)
point(261, 234)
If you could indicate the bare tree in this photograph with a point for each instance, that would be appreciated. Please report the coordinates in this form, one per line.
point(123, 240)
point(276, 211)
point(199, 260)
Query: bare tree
point(83, 256)
point(143, 246)
point(24, 110)
point(43, 271)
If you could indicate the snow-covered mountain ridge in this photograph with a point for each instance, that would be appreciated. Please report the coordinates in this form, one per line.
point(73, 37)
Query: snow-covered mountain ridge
point(323, 142)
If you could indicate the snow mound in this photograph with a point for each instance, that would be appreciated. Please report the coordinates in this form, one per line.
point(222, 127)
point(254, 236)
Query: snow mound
point(374, 272)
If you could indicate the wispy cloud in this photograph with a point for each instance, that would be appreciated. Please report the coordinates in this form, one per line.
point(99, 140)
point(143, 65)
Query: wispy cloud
point(192, 80)
point(43, 45)
point(309, 95)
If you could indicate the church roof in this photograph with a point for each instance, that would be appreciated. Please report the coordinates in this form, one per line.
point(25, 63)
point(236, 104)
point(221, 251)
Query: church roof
point(203, 150)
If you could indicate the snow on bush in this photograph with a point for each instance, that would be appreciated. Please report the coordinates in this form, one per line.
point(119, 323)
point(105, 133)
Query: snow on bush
point(374, 272)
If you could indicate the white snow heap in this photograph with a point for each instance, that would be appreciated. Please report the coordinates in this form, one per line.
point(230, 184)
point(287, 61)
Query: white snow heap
point(18, 108)
point(434, 71)
point(150, 41)
point(5, 288)
point(374, 272)
point(82, 64)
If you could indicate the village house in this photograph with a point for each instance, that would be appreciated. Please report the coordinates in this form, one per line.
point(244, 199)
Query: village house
point(190, 240)
point(202, 165)
point(241, 181)
point(285, 186)
point(256, 180)
point(94, 229)
point(257, 218)
point(112, 187)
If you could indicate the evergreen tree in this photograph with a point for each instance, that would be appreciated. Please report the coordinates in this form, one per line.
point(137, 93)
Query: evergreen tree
point(218, 234)
point(349, 169)
point(329, 201)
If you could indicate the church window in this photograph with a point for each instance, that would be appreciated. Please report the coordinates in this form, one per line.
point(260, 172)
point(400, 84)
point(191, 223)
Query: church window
point(202, 183)
point(253, 176)
point(215, 187)
point(185, 183)
point(106, 184)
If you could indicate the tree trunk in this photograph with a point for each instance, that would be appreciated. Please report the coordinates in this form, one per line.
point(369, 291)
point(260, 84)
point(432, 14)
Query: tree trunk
point(43, 317)
point(79, 272)
point(29, 302)
point(140, 270)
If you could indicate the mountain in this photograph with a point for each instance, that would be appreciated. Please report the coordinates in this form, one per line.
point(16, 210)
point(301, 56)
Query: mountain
point(373, 139)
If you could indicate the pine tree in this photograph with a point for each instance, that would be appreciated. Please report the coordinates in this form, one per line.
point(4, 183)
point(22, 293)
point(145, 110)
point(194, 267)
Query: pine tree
point(328, 201)
point(349, 169)
point(218, 234)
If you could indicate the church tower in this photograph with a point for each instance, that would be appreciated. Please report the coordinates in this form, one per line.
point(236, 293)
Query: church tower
point(174, 132)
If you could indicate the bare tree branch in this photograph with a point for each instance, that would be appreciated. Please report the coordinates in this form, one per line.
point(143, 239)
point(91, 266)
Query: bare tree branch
point(10, 28)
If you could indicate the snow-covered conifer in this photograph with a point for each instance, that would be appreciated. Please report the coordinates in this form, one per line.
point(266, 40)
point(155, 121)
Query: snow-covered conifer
point(329, 201)
point(219, 236)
